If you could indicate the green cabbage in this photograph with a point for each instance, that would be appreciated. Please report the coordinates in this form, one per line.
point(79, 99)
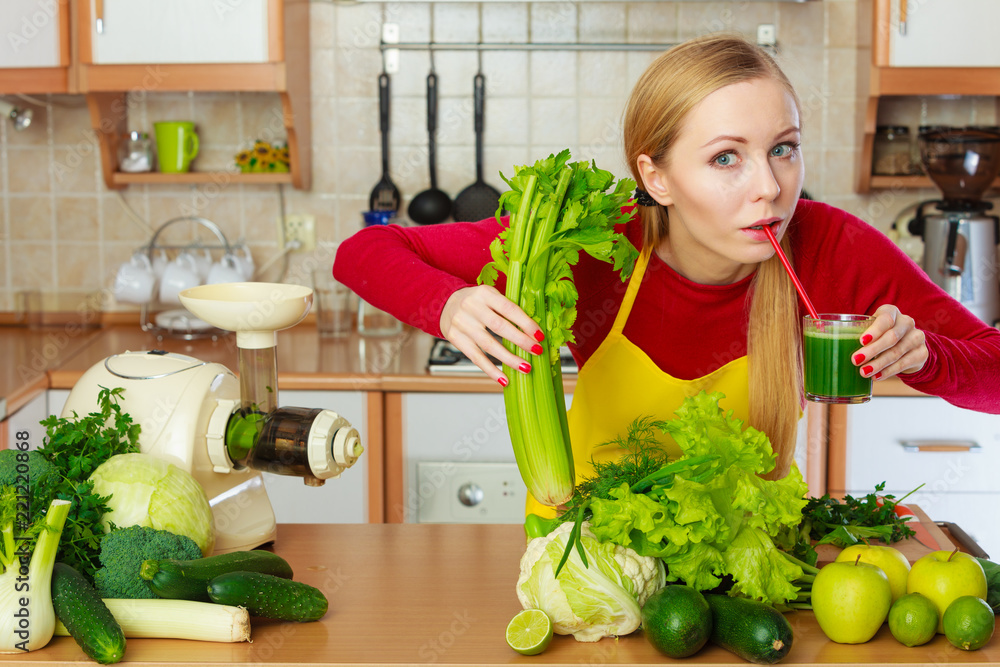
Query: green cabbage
point(602, 600)
point(148, 491)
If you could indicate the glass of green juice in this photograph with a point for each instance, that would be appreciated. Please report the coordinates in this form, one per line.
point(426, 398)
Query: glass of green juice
point(829, 343)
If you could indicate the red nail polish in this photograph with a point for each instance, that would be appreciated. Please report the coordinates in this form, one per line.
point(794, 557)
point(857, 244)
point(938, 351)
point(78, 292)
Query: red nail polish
point(539, 336)
point(502, 381)
point(858, 358)
point(524, 367)
point(878, 376)
point(536, 349)
point(867, 338)
point(867, 370)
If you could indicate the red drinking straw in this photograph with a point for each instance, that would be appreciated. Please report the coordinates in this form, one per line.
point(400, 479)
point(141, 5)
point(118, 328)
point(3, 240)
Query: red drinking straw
point(791, 274)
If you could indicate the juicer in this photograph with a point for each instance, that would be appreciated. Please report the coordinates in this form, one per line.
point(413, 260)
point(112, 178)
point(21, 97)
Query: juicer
point(223, 429)
point(960, 239)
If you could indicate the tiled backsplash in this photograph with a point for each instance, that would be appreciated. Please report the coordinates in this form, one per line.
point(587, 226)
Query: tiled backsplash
point(64, 232)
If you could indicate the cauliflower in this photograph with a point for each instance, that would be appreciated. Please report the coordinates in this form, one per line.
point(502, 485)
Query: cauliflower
point(602, 600)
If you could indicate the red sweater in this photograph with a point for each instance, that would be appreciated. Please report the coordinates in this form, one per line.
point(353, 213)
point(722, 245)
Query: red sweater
point(688, 329)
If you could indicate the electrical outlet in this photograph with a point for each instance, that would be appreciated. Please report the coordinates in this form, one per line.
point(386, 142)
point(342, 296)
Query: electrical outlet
point(299, 227)
point(767, 35)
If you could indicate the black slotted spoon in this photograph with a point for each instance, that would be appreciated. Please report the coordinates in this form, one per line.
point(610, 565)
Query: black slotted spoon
point(479, 200)
point(385, 195)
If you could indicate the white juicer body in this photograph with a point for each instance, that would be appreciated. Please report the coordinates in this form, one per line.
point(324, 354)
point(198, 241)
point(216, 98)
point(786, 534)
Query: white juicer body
point(173, 398)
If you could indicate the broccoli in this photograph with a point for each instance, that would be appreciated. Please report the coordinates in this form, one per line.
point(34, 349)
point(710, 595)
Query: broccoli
point(122, 553)
point(42, 476)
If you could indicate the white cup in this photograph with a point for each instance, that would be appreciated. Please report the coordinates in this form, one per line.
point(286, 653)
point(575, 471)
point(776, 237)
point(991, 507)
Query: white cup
point(203, 261)
point(180, 274)
point(244, 260)
point(134, 280)
point(226, 270)
point(159, 263)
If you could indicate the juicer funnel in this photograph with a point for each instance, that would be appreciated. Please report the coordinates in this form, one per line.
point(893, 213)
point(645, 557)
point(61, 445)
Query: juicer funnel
point(255, 311)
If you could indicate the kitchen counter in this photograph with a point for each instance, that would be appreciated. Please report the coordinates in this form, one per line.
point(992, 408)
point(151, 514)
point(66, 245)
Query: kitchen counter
point(57, 358)
point(29, 354)
point(408, 594)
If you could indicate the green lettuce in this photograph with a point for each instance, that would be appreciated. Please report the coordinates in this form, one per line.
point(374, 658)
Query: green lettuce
point(716, 518)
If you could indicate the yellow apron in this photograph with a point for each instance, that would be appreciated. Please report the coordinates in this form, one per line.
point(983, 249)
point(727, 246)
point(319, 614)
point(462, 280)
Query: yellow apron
point(620, 382)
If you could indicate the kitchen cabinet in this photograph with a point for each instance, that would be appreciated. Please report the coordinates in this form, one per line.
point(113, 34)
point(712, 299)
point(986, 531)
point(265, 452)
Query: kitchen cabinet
point(460, 438)
point(180, 31)
point(343, 499)
point(943, 33)
point(150, 46)
point(35, 57)
point(909, 441)
point(25, 421)
point(949, 49)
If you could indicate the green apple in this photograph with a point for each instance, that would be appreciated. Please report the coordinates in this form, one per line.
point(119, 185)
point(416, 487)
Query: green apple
point(944, 576)
point(889, 560)
point(851, 600)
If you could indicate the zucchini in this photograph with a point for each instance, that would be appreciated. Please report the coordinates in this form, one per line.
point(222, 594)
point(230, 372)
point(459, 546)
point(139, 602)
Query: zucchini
point(268, 596)
point(754, 631)
point(87, 619)
point(188, 579)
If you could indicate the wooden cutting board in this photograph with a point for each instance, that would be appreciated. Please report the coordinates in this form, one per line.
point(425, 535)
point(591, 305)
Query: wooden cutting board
point(929, 537)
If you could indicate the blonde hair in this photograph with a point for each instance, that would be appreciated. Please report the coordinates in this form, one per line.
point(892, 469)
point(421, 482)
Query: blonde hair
point(666, 92)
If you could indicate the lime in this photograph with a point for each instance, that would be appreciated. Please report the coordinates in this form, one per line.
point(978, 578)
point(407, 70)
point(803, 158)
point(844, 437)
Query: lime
point(968, 622)
point(677, 620)
point(913, 619)
point(529, 632)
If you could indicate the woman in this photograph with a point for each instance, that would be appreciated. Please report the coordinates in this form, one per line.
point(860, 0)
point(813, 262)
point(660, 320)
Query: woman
point(711, 134)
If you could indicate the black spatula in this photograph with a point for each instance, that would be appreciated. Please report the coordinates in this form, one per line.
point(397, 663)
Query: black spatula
point(385, 195)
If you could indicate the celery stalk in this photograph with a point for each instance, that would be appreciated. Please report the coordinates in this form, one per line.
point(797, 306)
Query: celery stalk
point(559, 208)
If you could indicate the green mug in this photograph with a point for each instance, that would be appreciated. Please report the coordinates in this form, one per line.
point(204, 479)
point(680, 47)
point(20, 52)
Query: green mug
point(176, 145)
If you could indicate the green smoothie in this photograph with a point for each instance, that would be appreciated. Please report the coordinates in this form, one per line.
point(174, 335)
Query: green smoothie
point(830, 375)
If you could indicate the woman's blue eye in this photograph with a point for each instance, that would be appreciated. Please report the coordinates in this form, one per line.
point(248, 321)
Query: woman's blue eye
point(782, 150)
point(724, 160)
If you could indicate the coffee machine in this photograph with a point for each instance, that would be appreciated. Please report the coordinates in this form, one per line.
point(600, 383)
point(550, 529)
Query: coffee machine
point(960, 238)
point(223, 429)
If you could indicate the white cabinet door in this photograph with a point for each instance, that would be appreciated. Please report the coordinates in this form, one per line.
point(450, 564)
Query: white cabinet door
point(31, 32)
point(450, 434)
point(954, 453)
point(26, 422)
point(160, 32)
point(342, 499)
point(945, 33)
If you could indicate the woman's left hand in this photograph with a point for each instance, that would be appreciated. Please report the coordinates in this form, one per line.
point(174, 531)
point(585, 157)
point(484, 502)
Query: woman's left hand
point(891, 345)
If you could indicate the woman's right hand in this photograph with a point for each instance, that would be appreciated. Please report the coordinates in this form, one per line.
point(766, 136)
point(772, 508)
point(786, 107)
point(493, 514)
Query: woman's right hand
point(471, 313)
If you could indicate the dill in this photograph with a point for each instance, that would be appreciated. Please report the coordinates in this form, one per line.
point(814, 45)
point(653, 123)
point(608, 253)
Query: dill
point(644, 456)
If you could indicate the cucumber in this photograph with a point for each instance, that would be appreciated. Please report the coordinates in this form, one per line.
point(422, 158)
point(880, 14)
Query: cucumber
point(268, 596)
point(754, 631)
point(188, 579)
point(87, 619)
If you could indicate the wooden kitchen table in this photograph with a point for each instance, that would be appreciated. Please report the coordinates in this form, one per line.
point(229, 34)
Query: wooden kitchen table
point(408, 594)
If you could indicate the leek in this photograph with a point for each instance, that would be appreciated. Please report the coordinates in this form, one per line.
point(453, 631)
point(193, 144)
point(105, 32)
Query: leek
point(558, 209)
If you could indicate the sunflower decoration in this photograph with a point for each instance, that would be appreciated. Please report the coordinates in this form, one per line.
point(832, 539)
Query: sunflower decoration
point(263, 157)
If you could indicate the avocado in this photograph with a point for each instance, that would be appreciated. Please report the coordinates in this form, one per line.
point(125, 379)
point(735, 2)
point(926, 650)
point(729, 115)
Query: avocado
point(677, 620)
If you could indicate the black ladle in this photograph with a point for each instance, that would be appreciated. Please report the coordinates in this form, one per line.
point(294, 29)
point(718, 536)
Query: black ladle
point(432, 205)
point(385, 195)
point(479, 200)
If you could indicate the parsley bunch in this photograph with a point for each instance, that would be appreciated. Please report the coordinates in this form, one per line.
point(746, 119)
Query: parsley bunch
point(76, 447)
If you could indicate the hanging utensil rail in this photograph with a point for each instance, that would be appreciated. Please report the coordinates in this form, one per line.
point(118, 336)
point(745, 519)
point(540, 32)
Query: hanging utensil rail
point(523, 46)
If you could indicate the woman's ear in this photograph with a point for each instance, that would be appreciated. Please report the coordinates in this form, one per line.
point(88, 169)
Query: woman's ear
point(654, 181)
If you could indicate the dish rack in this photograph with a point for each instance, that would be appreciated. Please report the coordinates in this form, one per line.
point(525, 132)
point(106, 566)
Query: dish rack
point(177, 322)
